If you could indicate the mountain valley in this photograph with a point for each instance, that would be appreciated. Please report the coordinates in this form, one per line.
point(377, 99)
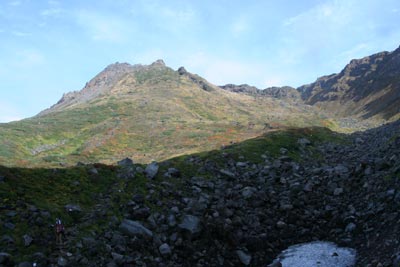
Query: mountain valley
point(150, 166)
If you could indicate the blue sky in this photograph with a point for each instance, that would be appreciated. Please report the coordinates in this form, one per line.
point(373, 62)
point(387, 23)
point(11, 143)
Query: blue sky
point(50, 47)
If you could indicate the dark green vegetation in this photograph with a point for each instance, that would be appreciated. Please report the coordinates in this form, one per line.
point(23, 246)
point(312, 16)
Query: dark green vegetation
point(33, 198)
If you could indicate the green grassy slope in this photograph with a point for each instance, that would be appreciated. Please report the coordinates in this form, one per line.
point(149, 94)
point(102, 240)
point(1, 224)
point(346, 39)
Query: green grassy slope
point(152, 113)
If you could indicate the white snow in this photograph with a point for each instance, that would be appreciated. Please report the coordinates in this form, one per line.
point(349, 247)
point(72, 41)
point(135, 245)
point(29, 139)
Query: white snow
point(317, 254)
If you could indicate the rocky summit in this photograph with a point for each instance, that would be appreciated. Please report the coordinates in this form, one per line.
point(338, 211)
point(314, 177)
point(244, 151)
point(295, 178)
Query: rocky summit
point(150, 166)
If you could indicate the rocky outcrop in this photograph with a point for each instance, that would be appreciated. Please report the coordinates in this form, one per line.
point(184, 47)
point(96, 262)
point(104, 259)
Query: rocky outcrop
point(202, 83)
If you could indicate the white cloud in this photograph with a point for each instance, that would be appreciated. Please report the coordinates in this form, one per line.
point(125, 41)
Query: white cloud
point(15, 3)
point(103, 27)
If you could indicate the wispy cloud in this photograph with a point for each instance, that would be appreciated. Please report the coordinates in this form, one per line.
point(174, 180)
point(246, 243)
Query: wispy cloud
point(15, 3)
point(104, 27)
point(21, 34)
point(169, 17)
point(52, 12)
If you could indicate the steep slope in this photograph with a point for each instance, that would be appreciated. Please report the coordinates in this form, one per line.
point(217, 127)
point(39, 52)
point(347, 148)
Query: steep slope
point(145, 112)
point(367, 88)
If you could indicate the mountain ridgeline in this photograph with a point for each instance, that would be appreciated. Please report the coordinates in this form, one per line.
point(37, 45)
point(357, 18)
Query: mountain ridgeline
point(365, 88)
point(145, 112)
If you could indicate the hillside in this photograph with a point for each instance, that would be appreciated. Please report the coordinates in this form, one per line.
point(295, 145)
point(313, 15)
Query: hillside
point(144, 112)
point(366, 88)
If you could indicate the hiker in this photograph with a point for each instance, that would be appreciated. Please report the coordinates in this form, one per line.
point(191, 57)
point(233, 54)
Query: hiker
point(59, 230)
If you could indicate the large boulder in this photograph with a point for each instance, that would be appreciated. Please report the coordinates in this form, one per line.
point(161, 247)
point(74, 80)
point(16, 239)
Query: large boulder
point(151, 170)
point(134, 228)
point(5, 259)
point(191, 223)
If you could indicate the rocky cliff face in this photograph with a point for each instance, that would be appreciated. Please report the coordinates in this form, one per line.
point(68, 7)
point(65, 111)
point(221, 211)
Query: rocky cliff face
point(367, 87)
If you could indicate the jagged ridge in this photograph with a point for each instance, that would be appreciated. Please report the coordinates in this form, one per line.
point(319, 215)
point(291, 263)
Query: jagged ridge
point(367, 87)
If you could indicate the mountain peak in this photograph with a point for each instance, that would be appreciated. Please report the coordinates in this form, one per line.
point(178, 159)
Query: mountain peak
point(158, 62)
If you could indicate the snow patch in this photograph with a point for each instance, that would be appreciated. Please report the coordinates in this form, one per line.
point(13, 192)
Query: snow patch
point(315, 254)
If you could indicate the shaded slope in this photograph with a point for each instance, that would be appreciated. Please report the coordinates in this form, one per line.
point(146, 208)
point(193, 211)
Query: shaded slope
point(246, 203)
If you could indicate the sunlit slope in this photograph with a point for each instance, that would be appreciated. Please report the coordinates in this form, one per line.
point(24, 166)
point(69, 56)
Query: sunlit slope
point(147, 112)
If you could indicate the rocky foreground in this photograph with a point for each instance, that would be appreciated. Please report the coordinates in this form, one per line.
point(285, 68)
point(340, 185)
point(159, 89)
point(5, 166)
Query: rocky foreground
point(227, 208)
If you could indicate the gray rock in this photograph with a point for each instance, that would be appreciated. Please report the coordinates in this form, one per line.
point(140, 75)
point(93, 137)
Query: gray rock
point(126, 162)
point(396, 260)
point(350, 227)
point(25, 264)
point(27, 240)
point(281, 224)
point(151, 170)
point(9, 225)
point(338, 191)
point(304, 142)
point(241, 164)
point(341, 169)
point(62, 261)
point(165, 249)
point(190, 223)
point(171, 220)
point(244, 258)
point(283, 151)
point(5, 258)
point(134, 228)
point(117, 257)
point(7, 240)
point(172, 172)
point(227, 173)
point(12, 213)
point(73, 208)
point(93, 170)
point(248, 192)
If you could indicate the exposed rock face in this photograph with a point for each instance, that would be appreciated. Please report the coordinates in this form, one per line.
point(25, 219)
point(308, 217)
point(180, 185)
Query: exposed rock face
point(206, 86)
point(365, 87)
